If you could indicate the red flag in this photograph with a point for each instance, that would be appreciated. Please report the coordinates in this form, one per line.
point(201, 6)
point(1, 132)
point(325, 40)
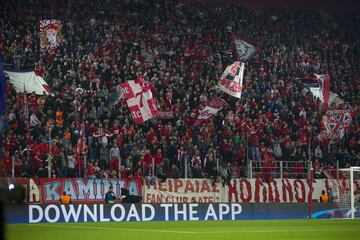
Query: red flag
point(324, 85)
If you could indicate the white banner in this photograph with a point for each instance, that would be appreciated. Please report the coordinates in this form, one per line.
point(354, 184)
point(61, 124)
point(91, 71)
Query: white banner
point(29, 82)
point(207, 112)
point(231, 80)
point(184, 191)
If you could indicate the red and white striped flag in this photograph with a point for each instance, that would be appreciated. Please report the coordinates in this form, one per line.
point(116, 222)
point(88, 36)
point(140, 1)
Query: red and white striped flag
point(81, 145)
point(139, 99)
point(211, 108)
point(324, 88)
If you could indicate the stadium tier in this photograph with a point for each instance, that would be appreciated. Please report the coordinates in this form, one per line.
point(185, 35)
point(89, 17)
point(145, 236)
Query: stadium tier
point(156, 111)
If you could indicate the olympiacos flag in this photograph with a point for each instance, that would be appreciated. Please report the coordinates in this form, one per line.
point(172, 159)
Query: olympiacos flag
point(244, 50)
point(324, 88)
point(231, 80)
point(211, 108)
point(50, 34)
point(139, 99)
point(337, 122)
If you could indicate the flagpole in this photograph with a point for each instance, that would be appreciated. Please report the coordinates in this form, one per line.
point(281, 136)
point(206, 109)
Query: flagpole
point(119, 167)
point(13, 167)
point(309, 150)
point(85, 164)
point(50, 155)
point(26, 111)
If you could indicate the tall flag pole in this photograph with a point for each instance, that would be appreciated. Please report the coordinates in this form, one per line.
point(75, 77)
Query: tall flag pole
point(26, 111)
point(2, 89)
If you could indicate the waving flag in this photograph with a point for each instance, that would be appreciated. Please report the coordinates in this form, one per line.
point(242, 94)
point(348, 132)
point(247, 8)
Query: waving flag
point(116, 96)
point(2, 89)
point(245, 51)
point(81, 144)
point(231, 80)
point(139, 100)
point(50, 34)
point(337, 122)
point(29, 82)
point(211, 108)
point(324, 88)
point(333, 97)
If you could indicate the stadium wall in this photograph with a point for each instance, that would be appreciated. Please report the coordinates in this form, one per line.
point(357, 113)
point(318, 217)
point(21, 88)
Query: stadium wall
point(52, 213)
point(48, 190)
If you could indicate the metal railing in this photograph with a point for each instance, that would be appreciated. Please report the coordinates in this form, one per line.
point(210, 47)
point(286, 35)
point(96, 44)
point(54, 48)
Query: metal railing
point(279, 169)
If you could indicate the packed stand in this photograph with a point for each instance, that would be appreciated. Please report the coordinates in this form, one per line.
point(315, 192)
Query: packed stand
point(181, 50)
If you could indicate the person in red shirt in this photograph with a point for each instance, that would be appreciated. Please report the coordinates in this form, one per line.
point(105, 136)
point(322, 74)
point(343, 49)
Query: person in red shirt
point(37, 160)
point(90, 171)
point(138, 174)
point(158, 157)
point(5, 165)
point(147, 157)
point(254, 144)
point(240, 153)
point(303, 139)
point(43, 147)
point(299, 170)
point(54, 148)
point(79, 165)
point(114, 164)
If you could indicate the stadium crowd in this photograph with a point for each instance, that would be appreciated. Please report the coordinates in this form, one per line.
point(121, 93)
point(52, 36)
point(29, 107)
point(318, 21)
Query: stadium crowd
point(181, 50)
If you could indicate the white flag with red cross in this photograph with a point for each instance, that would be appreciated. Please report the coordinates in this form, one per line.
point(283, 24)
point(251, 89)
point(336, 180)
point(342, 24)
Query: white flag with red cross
point(140, 100)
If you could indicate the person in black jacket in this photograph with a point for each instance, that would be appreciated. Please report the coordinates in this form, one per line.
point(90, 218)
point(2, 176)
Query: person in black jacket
point(110, 196)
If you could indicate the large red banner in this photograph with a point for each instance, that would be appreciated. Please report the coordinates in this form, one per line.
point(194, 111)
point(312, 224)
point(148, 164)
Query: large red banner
point(48, 190)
